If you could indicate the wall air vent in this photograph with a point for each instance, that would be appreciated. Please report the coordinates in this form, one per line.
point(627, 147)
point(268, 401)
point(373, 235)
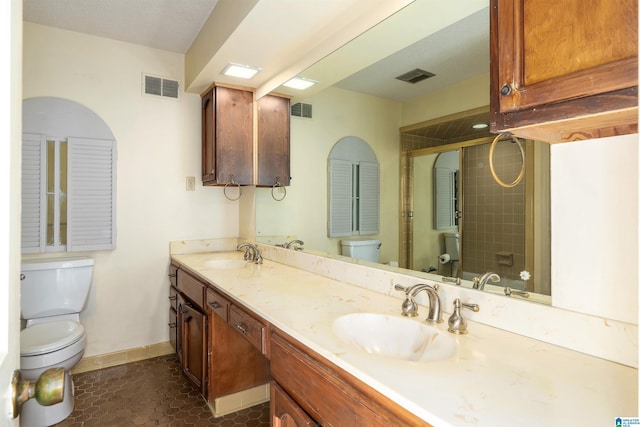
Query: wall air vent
point(415, 76)
point(160, 86)
point(302, 109)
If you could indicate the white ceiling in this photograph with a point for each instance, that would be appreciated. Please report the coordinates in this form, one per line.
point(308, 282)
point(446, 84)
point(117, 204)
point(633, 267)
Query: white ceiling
point(273, 34)
point(162, 24)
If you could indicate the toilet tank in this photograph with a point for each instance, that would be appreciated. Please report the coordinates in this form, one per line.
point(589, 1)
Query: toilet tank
point(452, 245)
point(54, 286)
point(368, 250)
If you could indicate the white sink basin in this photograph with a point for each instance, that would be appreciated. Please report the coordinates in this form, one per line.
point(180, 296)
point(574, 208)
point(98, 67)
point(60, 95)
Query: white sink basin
point(224, 264)
point(394, 337)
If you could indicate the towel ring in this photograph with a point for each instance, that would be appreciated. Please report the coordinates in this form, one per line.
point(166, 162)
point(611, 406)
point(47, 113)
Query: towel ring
point(278, 185)
point(491, 168)
point(232, 182)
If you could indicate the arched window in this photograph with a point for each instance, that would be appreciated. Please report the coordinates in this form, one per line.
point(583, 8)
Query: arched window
point(68, 178)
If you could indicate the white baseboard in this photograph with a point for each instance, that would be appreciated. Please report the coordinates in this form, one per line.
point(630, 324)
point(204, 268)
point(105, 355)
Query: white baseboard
point(107, 360)
point(238, 401)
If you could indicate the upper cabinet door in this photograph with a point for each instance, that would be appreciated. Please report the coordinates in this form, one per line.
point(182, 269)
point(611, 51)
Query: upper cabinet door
point(273, 140)
point(563, 70)
point(227, 136)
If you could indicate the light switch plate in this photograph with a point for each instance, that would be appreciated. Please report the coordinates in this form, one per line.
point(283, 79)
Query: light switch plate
point(191, 183)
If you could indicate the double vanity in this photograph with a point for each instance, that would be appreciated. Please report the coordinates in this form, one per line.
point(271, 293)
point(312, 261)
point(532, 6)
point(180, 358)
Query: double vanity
point(340, 354)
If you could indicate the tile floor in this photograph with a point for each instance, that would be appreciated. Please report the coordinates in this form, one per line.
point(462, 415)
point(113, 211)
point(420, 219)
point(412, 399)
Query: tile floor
point(149, 393)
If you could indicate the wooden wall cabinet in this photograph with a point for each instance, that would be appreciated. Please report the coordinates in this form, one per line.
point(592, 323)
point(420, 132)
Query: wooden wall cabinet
point(227, 136)
point(564, 70)
point(315, 389)
point(274, 115)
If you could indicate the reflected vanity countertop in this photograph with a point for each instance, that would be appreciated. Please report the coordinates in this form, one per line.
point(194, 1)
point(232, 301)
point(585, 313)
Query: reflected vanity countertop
point(495, 378)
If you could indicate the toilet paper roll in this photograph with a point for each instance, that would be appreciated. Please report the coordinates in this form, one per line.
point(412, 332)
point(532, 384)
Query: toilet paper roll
point(444, 258)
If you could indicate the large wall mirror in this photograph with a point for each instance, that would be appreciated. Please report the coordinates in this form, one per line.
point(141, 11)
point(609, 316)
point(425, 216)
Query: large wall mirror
point(488, 223)
point(358, 95)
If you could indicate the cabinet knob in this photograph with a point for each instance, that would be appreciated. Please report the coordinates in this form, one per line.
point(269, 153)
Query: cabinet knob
point(506, 90)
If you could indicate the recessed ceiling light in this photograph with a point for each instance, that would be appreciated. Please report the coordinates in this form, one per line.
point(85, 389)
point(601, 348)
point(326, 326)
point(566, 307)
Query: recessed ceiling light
point(241, 71)
point(299, 83)
point(480, 126)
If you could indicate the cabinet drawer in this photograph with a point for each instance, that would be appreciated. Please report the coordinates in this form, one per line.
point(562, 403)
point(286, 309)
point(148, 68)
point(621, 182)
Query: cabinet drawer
point(173, 328)
point(218, 304)
point(192, 288)
point(251, 328)
point(173, 271)
point(173, 298)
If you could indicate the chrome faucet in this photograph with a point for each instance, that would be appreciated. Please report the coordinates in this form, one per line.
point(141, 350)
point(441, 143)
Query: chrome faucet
point(479, 282)
point(410, 307)
point(252, 253)
point(296, 245)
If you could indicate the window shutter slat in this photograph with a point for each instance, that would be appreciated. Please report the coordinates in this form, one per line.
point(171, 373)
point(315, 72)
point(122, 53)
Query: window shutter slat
point(340, 198)
point(369, 198)
point(91, 200)
point(33, 230)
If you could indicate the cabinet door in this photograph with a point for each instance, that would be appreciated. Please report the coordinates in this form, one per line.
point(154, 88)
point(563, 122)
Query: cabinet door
point(194, 346)
point(208, 138)
point(179, 327)
point(274, 114)
point(285, 412)
point(234, 135)
point(555, 60)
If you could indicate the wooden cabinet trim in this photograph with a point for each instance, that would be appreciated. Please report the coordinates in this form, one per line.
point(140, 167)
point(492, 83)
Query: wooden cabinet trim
point(293, 365)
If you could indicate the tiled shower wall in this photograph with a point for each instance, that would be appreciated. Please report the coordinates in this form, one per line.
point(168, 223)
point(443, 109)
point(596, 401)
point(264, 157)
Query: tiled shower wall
point(493, 225)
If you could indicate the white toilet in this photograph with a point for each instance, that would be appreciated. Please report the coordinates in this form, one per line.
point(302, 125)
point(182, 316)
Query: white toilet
point(366, 249)
point(53, 293)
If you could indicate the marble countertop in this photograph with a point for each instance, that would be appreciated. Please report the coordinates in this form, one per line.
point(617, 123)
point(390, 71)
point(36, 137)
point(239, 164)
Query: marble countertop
point(495, 378)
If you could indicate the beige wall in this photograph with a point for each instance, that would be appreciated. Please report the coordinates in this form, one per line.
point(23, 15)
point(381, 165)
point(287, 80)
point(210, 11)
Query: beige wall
point(158, 143)
point(336, 113)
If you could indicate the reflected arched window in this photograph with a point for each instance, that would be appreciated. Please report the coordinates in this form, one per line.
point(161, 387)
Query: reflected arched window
point(354, 188)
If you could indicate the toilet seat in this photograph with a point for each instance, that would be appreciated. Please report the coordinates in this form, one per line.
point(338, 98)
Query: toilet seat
point(45, 338)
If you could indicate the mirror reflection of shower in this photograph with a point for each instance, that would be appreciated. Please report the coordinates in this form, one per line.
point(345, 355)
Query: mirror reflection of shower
point(464, 224)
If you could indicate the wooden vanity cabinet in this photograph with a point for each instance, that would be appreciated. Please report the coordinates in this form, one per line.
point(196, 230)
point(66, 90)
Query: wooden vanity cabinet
point(274, 128)
point(235, 364)
point(564, 70)
point(192, 325)
point(227, 136)
point(325, 393)
point(284, 412)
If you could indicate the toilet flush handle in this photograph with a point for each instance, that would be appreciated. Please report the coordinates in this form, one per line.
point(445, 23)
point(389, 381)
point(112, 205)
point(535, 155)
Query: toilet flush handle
point(22, 276)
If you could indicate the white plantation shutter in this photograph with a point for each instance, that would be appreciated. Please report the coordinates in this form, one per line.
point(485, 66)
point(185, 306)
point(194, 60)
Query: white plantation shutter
point(340, 197)
point(444, 198)
point(91, 194)
point(369, 191)
point(33, 231)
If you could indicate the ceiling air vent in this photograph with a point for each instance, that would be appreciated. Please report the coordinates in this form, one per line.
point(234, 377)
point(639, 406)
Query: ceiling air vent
point(303, 110)
point(160, 86)
point(415, 76)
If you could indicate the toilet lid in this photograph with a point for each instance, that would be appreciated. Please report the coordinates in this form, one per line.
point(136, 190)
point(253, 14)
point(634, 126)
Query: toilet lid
point(47, 337)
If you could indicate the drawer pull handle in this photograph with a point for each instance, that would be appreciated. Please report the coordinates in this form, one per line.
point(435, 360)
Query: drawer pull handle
point(172, 275)
point(215, 305)
point(173, 298)
point(241, 328)
point(172, 324)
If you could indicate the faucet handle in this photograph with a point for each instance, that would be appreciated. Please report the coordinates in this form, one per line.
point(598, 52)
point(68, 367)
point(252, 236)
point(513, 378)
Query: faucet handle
point(455, 280)
point(404, 289)
point(457, 323)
